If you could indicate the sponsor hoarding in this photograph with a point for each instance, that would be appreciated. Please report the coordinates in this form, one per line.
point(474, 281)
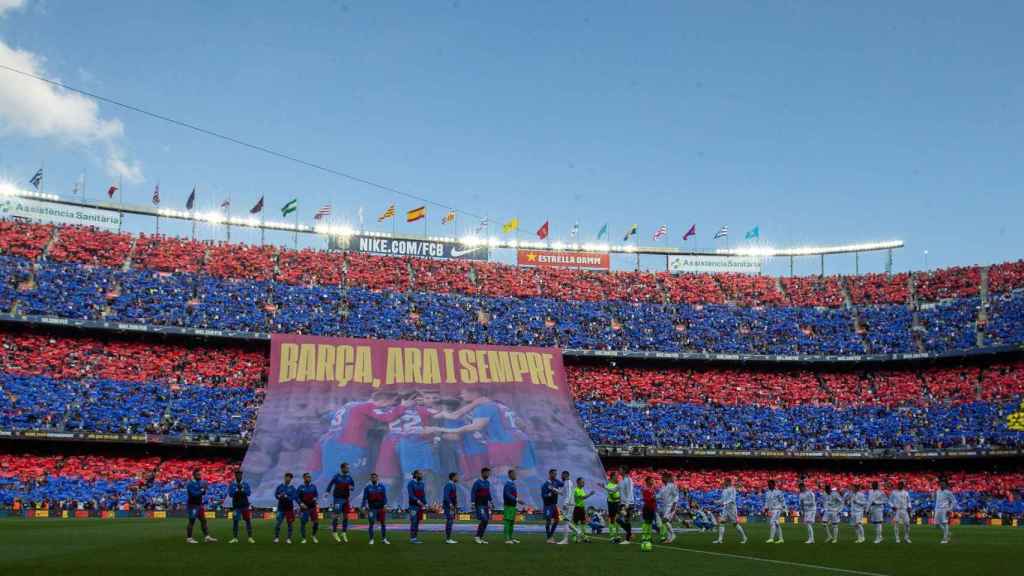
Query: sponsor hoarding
point(561, 259)
point(420, 248)
point(701, 263)
point(51, 213)
point(392, 407)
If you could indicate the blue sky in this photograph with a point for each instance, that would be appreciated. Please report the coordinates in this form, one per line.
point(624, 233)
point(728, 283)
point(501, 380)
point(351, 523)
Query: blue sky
point(820, 122)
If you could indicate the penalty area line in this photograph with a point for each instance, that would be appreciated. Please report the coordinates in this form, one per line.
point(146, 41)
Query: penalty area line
point(766, 560)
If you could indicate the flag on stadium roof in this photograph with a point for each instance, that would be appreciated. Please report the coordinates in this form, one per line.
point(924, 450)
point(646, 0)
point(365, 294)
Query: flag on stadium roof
point(483, 225)
point(111, 191)
point(324, 210)
point(359, 213)
point(510, 226)
point(754, 232)
point(689, 233)
point(575, 230)
point(257, 207)
point(448, 218)
point(225, 204)
point(631, 232)
point(660, 232)
point(79, 184)
point(191, 202)
point(389, 213)
point(37, 179)
point(603, 231)
point(542, 232)
point(156, 195)
point(723, 232)
point(289, 207)
point(416, 214)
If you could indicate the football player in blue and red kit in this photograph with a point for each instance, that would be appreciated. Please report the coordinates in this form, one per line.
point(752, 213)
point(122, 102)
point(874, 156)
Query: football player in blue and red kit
point(482, 503)
point(549, 492)
point(241, 509)
point(341, 487)
point(196, 490)
point(450, 502)
point(375, 500)
point(310, 510)
point(417, 502)
point(286, 496)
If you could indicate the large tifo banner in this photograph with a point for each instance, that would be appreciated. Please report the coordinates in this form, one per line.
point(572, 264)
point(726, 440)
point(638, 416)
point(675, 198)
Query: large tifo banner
point(392, 407)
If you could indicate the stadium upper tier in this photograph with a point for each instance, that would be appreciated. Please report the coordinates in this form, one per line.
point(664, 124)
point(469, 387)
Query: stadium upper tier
point(83, 273)
point(115, 385)
point(101, 482)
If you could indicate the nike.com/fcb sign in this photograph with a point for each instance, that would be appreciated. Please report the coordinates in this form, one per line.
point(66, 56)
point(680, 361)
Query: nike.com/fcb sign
point(557, 259)
point(409, 247)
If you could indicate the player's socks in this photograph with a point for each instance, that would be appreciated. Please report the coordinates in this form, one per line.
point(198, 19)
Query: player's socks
point(743, 535)
point(337, 538)
point(810, 534)
point(721, 533)
point(344, 536)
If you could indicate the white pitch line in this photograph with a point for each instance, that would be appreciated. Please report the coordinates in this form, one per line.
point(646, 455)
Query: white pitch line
point(768, 560)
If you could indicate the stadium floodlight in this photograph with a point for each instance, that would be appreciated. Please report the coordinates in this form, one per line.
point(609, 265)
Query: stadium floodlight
point(769, 252)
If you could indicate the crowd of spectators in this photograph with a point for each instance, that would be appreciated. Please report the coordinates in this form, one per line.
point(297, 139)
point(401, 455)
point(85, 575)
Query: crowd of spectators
point(17, 239)
point(107, 482)
point(947, 283)
point(91, 246)
point(111, 482)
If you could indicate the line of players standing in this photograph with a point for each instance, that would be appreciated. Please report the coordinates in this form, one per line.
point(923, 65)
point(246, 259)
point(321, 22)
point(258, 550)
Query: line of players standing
point(563, 498)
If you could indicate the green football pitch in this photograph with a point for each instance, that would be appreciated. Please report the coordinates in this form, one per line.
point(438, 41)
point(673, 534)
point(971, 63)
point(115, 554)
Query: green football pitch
point(152, 547)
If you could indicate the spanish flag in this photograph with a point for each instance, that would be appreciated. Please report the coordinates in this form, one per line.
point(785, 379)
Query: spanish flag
point(510, 226)
point(388, 214)
point(416, 214)
point(448, 218)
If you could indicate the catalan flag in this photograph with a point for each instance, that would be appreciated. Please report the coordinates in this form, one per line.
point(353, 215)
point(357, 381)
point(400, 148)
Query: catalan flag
point(388, 214)
point(448, 218)
point(510, 226)
point(324, 210)
point(416, 214)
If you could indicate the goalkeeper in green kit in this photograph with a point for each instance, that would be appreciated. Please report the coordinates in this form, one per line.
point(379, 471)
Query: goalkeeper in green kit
point(614, 506)
point(510, 499)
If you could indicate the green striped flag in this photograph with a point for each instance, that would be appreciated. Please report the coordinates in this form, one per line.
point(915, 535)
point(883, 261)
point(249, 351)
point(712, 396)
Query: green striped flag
point(603, 232)
point(290, 207)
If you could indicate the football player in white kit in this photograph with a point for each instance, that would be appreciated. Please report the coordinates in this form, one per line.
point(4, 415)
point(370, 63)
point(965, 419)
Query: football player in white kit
point(858, 502)
point(900, 502)
point(833, 512)
point(876, 509)
point(808, 510)
point(727, 501)
point(774, 508)
point(566, 504)
point(945, 503)
point(668, 498)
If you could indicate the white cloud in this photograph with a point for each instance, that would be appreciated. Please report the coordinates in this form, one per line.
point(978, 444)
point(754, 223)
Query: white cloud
point(8, 5)
point(35, 109)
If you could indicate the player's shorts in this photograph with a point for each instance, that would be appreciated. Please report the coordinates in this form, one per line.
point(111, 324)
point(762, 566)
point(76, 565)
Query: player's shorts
point(288, 515)
point(728, 515)
point(613, 509)
point(311, 514)
point(415, 511)
point(942, 516)
point(518, 453)
point(450, 514)
point(625, 512)
point(416, 454)
point(243, 513)
point(482, 513)
point(196, 512)
point(808, 516)
point(876, 515)
point(902, 517)
point(648, 515)
point(341, 506)
point(773, 515)
point(856, 515)
point(579, 515)
point(376, 515)
point(551, 512)
point(664, 513)
point(830, 517)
